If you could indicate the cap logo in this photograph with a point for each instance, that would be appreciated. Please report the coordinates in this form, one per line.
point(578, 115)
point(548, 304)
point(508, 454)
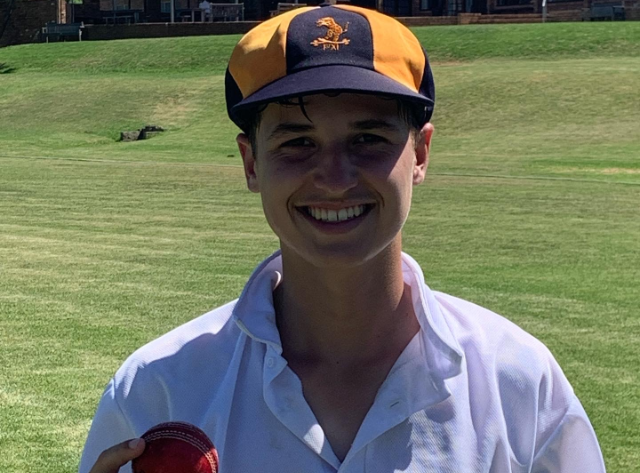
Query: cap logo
point(332, 39)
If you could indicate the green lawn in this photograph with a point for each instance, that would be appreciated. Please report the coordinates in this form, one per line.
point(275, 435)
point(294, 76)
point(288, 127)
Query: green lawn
point(532, 208)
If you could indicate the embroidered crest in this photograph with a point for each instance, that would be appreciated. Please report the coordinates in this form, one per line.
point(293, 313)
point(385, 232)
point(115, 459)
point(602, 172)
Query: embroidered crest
point(332, 39)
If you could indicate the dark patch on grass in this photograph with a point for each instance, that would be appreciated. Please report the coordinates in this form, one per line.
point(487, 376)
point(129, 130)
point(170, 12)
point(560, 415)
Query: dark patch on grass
point(6, 69)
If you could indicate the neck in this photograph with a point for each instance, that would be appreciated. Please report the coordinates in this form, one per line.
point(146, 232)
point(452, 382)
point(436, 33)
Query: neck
point(344, 316)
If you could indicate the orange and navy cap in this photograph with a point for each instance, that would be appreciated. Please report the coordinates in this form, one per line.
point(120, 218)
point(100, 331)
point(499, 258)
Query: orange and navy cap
point(330, 48)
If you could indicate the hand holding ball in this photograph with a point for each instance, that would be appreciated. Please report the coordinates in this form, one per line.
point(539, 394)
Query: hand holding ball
point(176, 447)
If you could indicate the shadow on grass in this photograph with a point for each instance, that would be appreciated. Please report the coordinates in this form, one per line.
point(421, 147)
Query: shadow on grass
point(5, 69)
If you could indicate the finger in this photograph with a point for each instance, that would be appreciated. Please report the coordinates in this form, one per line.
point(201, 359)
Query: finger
point(117, 456)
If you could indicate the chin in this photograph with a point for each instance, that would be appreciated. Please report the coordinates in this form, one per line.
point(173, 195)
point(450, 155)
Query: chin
point(338, 255)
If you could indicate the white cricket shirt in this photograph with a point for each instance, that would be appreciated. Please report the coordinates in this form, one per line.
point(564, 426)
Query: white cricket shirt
point(471, 393)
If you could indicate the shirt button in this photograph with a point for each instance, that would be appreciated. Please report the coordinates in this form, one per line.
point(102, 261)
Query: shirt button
point(271, 362)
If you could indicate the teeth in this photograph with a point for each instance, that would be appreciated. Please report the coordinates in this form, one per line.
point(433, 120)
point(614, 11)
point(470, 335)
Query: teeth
point(329, 215)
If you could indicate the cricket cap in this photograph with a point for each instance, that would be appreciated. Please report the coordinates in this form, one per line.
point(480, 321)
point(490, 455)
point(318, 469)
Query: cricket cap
point(327, 49)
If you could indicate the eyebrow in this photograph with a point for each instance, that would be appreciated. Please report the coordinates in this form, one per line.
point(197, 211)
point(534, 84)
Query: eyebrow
point(363, 125)
point(287, 128)
point(374, 124)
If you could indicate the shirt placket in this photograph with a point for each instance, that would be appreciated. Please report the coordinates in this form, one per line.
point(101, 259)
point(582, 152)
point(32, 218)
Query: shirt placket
point(283, 395)
point(408, 389)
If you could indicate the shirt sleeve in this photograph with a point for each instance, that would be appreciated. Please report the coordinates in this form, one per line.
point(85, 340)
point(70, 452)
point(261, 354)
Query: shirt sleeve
point(110, 426)
point(572, 447)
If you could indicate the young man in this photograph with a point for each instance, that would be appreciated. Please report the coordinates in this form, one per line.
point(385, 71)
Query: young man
point(337, 357)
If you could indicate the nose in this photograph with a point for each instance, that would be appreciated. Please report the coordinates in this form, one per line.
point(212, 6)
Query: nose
point(335, 173)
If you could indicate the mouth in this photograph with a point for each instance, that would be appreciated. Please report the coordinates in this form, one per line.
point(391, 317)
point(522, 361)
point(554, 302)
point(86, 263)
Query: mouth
point(335, 216)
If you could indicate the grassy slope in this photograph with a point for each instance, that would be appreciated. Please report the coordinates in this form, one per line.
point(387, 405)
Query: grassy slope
point(100, 255)
point(589, 72)
point(208, 54)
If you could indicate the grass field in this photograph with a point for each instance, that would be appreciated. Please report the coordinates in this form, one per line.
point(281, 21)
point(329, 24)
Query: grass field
point(531, 208)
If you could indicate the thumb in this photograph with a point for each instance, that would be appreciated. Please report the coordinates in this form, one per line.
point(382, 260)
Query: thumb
point(117, 456)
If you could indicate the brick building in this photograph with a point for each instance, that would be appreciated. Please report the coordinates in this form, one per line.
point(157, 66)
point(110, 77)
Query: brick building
point(22, 20)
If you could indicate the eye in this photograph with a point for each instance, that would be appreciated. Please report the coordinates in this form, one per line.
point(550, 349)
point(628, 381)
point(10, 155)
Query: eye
point(301, 142)
point(368, 138)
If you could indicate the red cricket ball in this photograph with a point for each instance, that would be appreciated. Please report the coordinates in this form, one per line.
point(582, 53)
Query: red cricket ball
point(176, 447)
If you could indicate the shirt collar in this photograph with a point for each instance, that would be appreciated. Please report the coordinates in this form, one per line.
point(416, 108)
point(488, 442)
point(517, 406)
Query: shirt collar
point(255, 315)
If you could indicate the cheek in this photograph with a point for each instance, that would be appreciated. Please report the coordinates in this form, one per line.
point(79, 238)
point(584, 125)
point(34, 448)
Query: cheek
point(277, 185)
point(276, 214)
point(401, 175)
point(400, 190)
point(405, 194)
point(274, 200)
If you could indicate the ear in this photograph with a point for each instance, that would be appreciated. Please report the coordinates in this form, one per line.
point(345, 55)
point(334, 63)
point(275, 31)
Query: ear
point(423, 145)
point(249, 162)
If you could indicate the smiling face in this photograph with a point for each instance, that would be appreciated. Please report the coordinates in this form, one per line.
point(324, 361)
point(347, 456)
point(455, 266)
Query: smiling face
point(336, 187)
